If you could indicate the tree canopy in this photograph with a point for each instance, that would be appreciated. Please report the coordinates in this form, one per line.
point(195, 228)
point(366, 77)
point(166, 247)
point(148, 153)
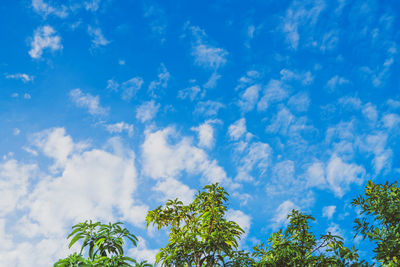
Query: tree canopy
point(200, 235)
point(298, 246)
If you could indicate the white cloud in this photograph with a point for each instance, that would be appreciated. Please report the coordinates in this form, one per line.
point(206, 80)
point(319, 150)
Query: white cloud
point(131, 87)
point(391, 120)
point(92, 5)
point(55, 144)
point(98, 37)
point(157, 20)
point(112, 85)
point(212, 81)
point(190, 92)
point(87, 101)
point(328, 211)
point(237, 129)
point(336, 81)
point(208, 56)
point(147, 111)
point(340, 175)
point(45, 9)
point(205, 133)
point(257, 155)
point(281, 122)
point(335, 229)
point(45, 38)
point(205, 54)
point(21, 76)
point(16, 131)
point(274, 92)
point(163, 77)
point(208, 108)
point(305, 78)
point(369, 111)
point(376, 144)
point(350, 102)
point(316, 175)
point(172, 188)
point(299, 102)
point(119, 127)
point(14, 182)
point(301, 14)
point(163, 158)
point(142, 253)
point(249, 97)
point(242, 219)
point(91, 184)
point(282, 212)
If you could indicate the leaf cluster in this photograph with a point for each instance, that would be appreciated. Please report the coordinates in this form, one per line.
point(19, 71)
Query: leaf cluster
point(103, 244)
point(379, 220)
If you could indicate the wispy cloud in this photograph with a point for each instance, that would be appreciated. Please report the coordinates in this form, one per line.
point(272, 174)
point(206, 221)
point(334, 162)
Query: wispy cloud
point(21, 76)
point(147, 111)
point(87, 101)
point(45, 9)
point(98, 39)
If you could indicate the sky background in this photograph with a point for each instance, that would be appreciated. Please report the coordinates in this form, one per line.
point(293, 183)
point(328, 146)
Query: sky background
point(109, 108)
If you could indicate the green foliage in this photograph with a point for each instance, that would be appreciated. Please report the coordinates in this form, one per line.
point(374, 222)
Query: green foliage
point(199, 233)
point(380, 220)
point(297, 246)
point(104, 245)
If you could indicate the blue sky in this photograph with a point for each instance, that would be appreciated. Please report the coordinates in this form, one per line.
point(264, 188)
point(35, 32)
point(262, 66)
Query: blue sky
point(109, 108)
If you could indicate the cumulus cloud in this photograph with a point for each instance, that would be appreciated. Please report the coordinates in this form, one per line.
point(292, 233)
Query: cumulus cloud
point(91, 184)
point(205, 133)
point(87, 101)
point(163, 158)
point(147, 111)
point(14, 183)
point(336, 175)
point(55, 144)
point(44, 38)
point(171, 188)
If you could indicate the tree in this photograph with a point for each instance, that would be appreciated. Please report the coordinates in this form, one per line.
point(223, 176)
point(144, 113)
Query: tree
point(104, 245)
point(297, 246)
point(200, 235)
point(380, 220)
